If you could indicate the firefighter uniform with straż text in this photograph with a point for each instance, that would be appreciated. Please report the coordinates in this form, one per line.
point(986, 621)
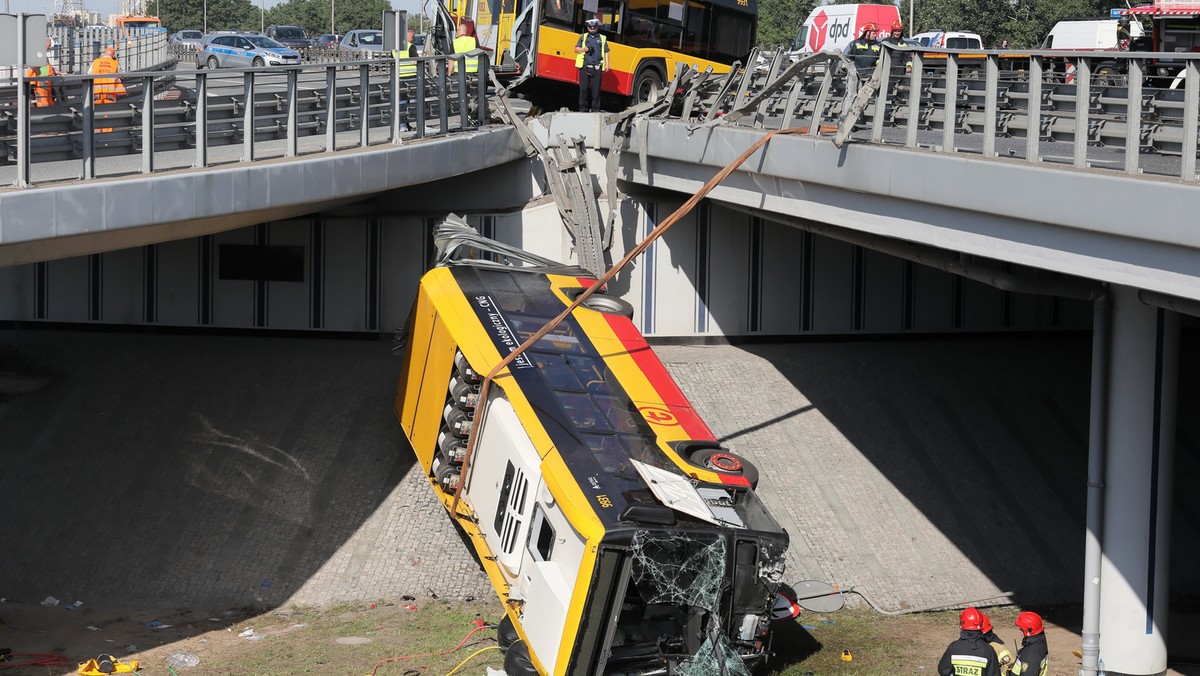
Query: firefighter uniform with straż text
point(864, 51)
point(970, 655)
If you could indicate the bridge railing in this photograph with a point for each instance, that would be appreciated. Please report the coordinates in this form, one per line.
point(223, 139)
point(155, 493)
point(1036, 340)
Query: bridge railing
point(267, 112)
point(1135, 112)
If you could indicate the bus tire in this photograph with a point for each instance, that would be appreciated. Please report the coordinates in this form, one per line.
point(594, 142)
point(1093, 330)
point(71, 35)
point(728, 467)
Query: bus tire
point(602, 302)
point(722, 461)
point(517, 661)
point(506, 634)
point(646, 83)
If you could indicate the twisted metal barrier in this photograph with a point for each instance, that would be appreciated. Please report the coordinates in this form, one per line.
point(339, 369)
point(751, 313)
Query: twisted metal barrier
point(1136, 112)
point(159, 115)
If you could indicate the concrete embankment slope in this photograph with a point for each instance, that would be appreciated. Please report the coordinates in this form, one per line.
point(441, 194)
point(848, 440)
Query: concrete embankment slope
point(167, 470)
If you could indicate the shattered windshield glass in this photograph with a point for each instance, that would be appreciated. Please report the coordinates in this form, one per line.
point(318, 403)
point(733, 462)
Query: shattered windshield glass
point(686, 572)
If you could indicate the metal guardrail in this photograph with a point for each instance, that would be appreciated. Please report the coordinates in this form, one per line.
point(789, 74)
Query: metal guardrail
point(289, 103)
point(971, 102)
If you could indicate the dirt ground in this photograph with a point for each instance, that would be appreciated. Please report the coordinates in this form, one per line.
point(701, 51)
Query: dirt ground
point(353, 639)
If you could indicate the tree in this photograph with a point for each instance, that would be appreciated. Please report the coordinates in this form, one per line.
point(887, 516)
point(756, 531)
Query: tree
point(222, 14)
point(779, 21)
point(313, 15)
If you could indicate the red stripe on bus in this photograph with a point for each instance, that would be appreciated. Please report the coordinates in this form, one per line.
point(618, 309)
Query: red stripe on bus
point(562, 68)
point(662, 382)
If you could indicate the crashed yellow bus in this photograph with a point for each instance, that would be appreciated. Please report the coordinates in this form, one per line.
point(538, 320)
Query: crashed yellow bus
point(619, 535)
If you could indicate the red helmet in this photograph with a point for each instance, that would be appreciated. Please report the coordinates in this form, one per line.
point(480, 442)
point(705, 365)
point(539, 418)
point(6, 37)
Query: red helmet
point(897, 26)
point(868, 27)
point(971, 619)
point(986, 624)
point(1030, 623)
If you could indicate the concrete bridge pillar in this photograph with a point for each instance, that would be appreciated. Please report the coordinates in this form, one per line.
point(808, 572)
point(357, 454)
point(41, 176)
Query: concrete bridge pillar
point(1139, 415)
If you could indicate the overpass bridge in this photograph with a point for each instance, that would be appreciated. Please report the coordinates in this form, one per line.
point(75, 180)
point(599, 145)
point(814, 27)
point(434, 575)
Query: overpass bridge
point(937, 167)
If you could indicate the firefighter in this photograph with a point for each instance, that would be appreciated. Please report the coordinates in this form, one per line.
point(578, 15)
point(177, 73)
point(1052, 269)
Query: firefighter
point(591, 58)
point(106, 89)
point(1034, 656)
point(896, 38)
point(970, 655)
point(865, 50)
point(42, 90)
point(1002, 652)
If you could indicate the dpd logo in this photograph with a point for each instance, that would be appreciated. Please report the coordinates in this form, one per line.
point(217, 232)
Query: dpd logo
point(816, 37)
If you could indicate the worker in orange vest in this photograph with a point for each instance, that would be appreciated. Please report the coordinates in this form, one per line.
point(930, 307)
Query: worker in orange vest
point(43, 91)
point(106, 89)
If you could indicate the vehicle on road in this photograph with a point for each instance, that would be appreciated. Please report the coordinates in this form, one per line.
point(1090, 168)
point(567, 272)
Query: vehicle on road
point(327, 41)
point(830, 28)
point(243, 50)
point(533, 41)
point(362, 41)
point(1174, 27)
point(621, 537)
point(186, 38)
point(289, 36)
point(1093, 34)
point(949, 40)
point(137, 21)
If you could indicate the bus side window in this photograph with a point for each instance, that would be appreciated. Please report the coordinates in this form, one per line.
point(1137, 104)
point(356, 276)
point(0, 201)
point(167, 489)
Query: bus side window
point(560, 10)
point(541, 542)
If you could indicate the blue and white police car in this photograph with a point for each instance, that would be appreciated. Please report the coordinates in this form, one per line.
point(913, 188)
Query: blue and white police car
point(243, 50)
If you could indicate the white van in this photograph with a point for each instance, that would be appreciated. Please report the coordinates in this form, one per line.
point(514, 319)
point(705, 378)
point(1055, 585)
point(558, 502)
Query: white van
point(1090, 34)
point(829, 28)
point(949, 40)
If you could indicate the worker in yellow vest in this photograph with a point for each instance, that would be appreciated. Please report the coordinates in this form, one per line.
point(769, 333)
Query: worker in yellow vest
point(406, 75)
point(464, 41)
point(591, 58)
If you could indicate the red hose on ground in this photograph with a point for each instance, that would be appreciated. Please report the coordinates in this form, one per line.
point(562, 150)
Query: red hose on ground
point(36, 660)
point(479, 626)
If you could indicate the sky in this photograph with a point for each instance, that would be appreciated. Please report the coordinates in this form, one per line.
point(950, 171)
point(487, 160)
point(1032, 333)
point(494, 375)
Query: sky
point(106, 7)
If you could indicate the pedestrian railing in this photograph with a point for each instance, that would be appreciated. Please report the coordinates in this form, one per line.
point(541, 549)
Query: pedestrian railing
point(1134, 112)
point(176, 120)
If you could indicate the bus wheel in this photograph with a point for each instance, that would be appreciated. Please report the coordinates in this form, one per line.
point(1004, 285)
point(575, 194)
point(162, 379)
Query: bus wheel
point(506, 634)
point(723, 462)
point(517, 661)
point(646, 84)
point(602, 302)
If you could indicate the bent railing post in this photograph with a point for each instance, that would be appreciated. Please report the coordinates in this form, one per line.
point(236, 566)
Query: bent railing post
point(293, 141)
point(364, 104)
point(148, 124)
point(481, 109)
point(248, 116)
point(201, 119)
point(89, 130)
point(330, 108)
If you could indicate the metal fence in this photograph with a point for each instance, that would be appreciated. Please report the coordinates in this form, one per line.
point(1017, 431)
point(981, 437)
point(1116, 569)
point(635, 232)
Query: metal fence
point(1134, 112)
point(205, 110)
point(74, 49)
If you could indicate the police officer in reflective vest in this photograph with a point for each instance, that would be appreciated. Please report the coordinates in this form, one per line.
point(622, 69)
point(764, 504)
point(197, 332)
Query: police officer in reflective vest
point(865, 50)
point(1034, 656)
point(970, 655)
point(591, 58)
point(464, 42)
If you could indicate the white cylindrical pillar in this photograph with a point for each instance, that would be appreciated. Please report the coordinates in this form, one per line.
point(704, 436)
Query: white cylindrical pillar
point(1140, 423)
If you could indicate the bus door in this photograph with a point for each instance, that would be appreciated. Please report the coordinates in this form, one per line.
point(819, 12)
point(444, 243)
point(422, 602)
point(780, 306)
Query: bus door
point(550, 563)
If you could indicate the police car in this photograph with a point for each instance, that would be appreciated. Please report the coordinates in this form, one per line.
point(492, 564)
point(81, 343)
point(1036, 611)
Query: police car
point(243, 50)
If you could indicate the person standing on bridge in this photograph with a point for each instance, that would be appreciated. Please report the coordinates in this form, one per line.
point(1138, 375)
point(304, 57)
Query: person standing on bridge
point(106, 89)
point(1033, 659)
point(865, 50)
point(406, 75)
point(970, 655)
point(464, 42)
point(896, 39)
point(591, 58)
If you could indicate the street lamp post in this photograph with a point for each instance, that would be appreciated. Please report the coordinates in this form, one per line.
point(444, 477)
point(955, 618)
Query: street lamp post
point(262, 16)
point(206, 17)
point(911, 4)
point(332, 29)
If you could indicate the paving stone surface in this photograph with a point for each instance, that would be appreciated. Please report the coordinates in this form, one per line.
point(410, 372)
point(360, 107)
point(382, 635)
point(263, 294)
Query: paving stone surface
point(165, 470)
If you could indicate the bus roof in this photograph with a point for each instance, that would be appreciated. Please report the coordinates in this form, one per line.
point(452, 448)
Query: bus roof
point(580, 390)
